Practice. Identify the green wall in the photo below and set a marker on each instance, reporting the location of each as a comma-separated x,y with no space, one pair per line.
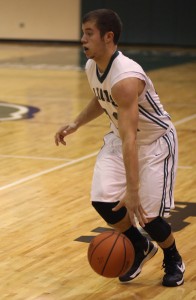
152,22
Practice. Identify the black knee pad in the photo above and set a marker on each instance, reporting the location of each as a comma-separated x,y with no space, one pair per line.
158,229
105,211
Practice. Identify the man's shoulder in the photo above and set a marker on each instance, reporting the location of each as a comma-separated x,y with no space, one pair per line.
89,64
126,64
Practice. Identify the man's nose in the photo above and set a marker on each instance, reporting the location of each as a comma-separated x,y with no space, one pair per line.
83,39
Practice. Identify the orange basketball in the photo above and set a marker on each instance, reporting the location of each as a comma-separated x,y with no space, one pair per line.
111,254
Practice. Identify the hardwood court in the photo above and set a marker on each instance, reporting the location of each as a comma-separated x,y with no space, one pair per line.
46,219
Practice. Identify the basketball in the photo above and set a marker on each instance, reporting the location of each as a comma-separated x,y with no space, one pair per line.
111,254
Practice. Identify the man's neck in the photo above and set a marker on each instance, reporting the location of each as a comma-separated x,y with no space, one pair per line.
103,62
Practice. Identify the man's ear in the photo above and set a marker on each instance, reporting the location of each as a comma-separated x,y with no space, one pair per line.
109,37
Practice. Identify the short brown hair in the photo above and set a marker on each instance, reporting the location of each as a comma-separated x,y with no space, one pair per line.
106,20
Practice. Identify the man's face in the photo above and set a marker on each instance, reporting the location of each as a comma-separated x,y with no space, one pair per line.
93,44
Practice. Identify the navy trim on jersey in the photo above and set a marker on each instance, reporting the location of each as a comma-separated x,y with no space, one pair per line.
153,104
173,164
148,115
101,78
171,156
163,208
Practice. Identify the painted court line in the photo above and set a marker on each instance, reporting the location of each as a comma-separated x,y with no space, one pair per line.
185,120
25,179
185,167
48,171
35,157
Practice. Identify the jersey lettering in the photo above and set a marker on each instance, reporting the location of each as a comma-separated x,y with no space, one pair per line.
104,96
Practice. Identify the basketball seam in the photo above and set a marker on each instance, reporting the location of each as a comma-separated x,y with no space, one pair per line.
112,232
110,253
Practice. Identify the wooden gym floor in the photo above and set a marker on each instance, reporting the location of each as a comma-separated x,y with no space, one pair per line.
46,219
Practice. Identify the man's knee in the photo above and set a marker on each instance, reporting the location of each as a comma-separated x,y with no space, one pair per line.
118,220
158,229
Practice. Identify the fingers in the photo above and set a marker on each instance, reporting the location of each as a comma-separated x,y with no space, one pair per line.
118,206
130,212
64,131
132,218
140,214
60,135
59,139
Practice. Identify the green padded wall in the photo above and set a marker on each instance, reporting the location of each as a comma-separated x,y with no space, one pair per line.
152,22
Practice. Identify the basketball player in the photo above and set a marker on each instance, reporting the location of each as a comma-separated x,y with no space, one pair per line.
135,170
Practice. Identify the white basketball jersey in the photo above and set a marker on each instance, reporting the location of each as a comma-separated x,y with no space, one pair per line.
153,120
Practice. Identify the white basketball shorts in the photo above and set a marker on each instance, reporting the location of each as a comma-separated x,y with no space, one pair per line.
157,172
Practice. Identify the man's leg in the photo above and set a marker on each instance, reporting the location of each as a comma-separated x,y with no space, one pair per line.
120,221
108,187
160,231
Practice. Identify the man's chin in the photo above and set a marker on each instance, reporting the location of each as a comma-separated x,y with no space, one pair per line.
89,56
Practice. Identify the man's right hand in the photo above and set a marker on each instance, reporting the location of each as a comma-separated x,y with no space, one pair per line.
64,131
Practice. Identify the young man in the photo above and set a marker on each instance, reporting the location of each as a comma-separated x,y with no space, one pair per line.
135,170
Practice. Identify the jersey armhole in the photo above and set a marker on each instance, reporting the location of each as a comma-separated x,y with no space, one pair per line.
127,75
131,74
